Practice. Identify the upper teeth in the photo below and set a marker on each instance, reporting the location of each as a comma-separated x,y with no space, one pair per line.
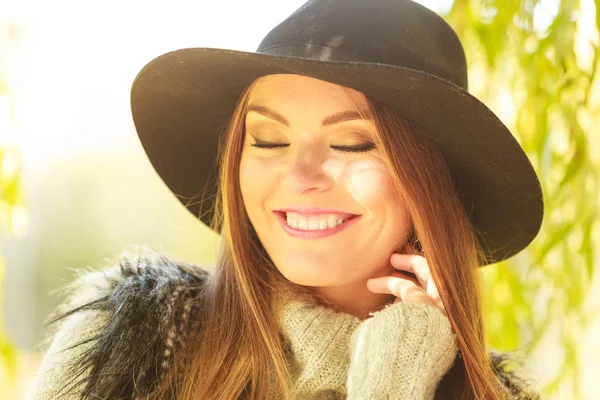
313,223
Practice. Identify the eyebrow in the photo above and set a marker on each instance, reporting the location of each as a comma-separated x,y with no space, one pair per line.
330,120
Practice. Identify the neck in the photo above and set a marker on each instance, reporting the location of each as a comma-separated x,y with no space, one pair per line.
355,299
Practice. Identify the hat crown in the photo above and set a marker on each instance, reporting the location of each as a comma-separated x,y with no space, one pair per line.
395,32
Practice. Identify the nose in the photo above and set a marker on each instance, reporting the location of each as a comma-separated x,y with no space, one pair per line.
305,172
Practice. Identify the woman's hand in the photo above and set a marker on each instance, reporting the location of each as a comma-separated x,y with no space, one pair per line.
406,288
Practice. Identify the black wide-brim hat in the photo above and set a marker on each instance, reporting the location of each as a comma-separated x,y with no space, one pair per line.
395,51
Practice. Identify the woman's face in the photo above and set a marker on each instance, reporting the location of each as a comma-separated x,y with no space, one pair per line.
325,169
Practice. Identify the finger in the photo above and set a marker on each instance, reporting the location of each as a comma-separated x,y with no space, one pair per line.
432,290
412,263
417,265
406,275
404,289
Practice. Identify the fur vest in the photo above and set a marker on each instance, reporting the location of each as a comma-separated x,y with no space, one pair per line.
141,306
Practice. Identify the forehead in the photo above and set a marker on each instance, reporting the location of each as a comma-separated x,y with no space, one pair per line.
297,89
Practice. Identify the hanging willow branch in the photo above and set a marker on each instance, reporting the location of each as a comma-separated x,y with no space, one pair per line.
537,69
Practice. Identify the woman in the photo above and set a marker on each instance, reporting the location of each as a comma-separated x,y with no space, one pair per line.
359,187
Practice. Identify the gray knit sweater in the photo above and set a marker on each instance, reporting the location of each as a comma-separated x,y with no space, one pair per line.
115,333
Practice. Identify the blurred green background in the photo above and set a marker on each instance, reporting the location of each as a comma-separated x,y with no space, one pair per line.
76,187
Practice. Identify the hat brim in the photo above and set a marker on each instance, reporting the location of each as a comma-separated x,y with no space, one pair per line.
182,101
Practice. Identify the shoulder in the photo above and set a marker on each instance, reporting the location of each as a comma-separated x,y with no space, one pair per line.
118,326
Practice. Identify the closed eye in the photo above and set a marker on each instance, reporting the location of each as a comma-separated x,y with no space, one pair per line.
348,149
265,145
355,149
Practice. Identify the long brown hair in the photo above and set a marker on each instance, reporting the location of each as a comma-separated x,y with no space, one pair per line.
235,350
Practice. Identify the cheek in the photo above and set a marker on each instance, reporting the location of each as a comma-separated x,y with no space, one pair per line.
245,174
253,170
369,183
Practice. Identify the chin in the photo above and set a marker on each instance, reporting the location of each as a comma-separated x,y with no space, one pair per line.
311,277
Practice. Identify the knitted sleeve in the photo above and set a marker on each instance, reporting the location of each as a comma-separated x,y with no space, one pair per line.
401,352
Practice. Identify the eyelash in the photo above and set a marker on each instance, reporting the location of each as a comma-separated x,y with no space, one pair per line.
347,149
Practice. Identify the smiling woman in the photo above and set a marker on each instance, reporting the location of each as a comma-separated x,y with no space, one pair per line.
317,161
395,199
356,200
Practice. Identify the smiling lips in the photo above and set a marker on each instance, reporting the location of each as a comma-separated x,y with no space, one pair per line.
313,223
